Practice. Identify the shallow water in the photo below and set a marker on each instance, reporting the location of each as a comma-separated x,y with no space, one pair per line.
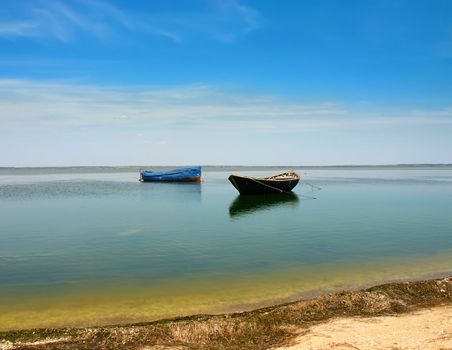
94,246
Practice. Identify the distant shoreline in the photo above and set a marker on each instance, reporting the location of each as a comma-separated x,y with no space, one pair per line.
263,328
255,167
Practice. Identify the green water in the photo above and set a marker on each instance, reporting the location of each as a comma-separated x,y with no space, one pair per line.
94,246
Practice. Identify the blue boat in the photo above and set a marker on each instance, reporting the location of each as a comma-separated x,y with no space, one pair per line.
192,174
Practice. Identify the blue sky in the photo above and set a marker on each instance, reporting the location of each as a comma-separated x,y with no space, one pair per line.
97,82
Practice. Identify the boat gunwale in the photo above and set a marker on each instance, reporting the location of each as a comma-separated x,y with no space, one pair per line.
269,178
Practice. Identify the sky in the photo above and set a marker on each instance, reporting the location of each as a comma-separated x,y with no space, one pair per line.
225,82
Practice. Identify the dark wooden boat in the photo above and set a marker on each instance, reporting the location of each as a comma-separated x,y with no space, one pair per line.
280,183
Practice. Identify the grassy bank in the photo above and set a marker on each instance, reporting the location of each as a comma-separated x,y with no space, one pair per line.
258,329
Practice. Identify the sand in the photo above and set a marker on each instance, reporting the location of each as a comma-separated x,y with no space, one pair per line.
424,329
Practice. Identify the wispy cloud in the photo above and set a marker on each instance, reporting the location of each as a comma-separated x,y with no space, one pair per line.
65,21
18,28
59,20
249,15
35,104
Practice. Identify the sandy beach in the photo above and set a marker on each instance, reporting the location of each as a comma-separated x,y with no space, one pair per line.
424,329
399,315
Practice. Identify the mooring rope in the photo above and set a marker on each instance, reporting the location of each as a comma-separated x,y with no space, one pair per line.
307,197
274,188
313,187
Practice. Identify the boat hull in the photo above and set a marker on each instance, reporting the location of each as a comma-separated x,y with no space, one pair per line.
249,185
177,175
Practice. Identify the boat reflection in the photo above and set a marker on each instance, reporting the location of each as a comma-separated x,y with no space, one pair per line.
171,191
249,204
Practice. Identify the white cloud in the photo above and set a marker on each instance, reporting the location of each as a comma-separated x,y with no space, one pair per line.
246,14
26,104
18,28
64,21
83,105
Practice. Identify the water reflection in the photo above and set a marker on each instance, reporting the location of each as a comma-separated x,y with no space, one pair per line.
249,204
168,192
173,186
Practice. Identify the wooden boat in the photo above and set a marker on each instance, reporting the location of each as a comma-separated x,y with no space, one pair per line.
280,183
192,174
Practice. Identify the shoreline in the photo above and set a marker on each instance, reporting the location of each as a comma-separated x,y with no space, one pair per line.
317,293
263,328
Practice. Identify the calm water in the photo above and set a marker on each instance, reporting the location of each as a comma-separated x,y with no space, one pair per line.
95,246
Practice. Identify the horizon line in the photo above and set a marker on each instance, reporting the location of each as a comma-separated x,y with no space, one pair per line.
231,166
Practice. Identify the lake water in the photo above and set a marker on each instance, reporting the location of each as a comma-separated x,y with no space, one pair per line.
91,246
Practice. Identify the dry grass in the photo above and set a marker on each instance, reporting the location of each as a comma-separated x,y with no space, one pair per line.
258,329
